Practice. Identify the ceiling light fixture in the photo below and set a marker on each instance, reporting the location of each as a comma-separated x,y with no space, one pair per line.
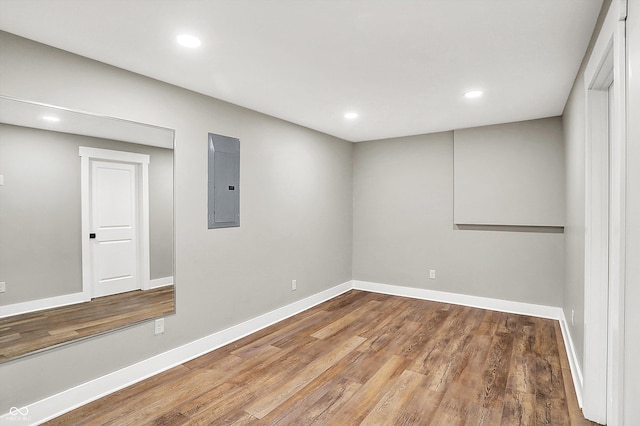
351,115
473,94
50,118
189,41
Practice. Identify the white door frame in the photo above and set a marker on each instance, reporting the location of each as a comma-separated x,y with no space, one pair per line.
605,172
87,154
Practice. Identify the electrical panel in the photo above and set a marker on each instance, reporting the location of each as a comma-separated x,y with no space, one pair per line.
224,182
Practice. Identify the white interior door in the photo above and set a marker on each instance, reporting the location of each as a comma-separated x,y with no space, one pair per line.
114,227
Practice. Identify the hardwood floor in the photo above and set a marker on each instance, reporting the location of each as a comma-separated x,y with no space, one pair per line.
26,333
364,358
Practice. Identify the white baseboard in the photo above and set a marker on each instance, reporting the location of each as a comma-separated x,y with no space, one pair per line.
541,311
64,300
576,371
41,304
160,282
70,399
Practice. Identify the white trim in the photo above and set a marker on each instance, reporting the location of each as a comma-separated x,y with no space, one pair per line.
85,209
41,304
87,154
605,245
161,282
541,311
574,365
110,154
58,404
596,274
144,248
617,251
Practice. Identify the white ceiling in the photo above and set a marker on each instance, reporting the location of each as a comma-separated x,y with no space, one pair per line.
30,114
403,65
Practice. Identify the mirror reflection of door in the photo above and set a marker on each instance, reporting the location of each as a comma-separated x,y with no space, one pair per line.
41,261
114,237
115,221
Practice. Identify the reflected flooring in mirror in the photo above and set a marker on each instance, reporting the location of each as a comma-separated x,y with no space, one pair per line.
31,332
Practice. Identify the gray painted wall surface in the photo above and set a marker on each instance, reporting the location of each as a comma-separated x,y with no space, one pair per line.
40,252
403,226
573,290
40,235
296,206
510,174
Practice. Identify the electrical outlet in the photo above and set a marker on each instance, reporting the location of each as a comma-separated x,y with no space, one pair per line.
573,316
159,326
294,285
3,287
432,274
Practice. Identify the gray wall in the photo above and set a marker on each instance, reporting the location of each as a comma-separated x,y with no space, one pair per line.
510,174
296,212
39,215
40,241
574,123
403,226
573,289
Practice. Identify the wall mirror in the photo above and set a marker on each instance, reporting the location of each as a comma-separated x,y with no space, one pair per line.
86,225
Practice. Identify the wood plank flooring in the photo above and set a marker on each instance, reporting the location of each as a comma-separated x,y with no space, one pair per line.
364,358
31,332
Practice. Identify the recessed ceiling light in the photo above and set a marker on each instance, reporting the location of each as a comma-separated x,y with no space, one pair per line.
473,94
187,40
351,115
50,118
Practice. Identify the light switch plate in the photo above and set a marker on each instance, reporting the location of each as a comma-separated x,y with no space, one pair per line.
1,180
